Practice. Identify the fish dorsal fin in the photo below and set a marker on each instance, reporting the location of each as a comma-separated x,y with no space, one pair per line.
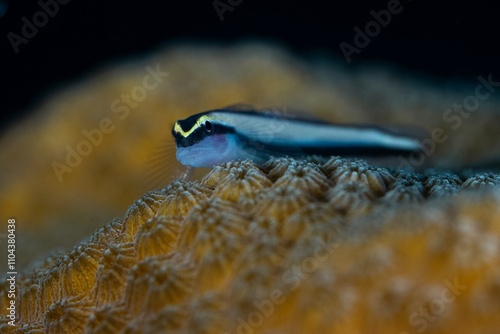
238,107
405,130
276,111
291,114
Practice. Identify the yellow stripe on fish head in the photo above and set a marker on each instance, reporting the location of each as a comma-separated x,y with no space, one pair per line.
198,124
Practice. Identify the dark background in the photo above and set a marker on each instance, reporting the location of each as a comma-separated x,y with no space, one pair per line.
449,40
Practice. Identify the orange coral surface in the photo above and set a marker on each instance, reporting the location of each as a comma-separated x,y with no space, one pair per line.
294,246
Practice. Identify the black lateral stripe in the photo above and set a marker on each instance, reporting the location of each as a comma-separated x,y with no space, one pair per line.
322,150
355,151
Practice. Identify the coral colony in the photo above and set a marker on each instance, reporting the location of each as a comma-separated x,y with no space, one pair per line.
294,246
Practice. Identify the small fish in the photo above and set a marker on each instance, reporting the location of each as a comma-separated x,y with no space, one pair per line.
218,136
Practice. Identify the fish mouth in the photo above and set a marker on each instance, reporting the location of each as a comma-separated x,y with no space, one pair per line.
188,155
206,153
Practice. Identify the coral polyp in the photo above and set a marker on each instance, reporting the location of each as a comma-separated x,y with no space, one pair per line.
108,319
279,203
277,167
482,180
291,246
220,173
180,197
157,236
341,171
241,182
209,220
442,184
68,315
141,210
320,220
111,275
308,179
351,197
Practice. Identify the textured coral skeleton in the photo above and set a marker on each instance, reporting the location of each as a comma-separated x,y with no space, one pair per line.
294,246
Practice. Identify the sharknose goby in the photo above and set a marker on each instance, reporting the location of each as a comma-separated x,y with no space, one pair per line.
218,136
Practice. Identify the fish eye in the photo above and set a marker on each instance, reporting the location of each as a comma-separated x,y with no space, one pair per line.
208,126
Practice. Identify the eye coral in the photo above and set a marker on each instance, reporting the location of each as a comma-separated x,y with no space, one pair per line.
310,253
